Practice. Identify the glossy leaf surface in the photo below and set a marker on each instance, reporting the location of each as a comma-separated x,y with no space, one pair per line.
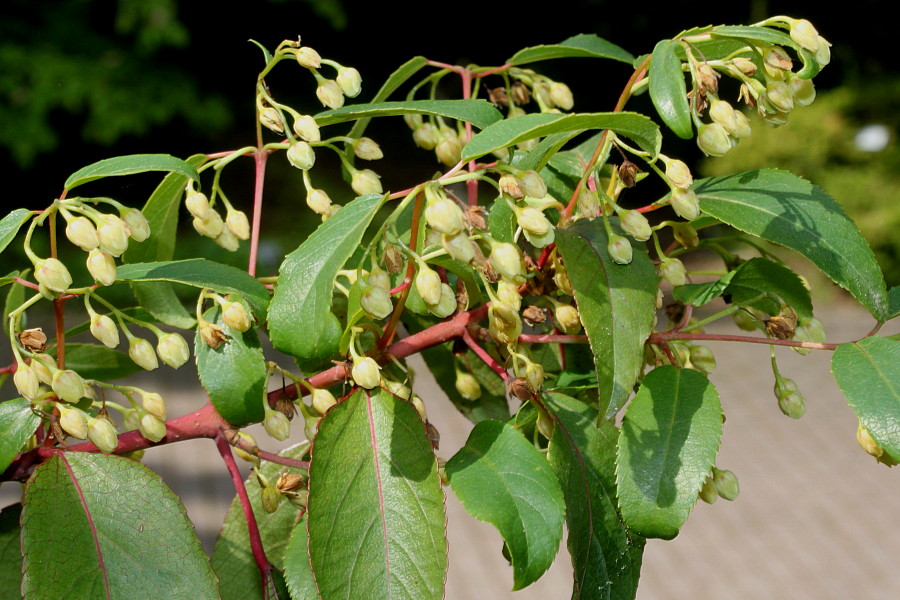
130,165
17,423
667,89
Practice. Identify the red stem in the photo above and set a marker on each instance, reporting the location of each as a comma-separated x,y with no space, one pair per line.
483,355
410,271
260,159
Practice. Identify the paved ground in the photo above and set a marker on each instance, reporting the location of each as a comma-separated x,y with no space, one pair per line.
816,519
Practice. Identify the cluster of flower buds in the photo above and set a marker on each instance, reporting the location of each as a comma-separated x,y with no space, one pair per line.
208,222
720,483
447,142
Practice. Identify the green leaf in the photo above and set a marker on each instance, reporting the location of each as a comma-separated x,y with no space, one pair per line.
509,132
17,424
201,273
545,151
761,34
15,297
161,211
479,113
376,508
893,302
10,556
129,165
102,526
232,559
868,372
667,447
300,319
606,557
501,478
502,222
234,374
10,225
297,571
94,361
396,79
579,46
667,89
785,209
267,56
616,303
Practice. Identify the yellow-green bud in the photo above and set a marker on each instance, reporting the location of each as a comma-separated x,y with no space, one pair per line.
673,271
376,301
505,325
227,240
867,442
52,274
366,372
428,284
779,94
533,221
41,368
685,203
803,91
152,428
635,224
141,352
243,454
270,498
418,405
790,401
588,203
82,233
459,246
776,61
685,235
138,226
508,293
803,32
104,329
154,404
235,316
237,223
27,381
540,240
532,184
379,278
198,205
823,54
319,201
426,136
679,174
446,306
713,139
367,149
561,95
102,434
743,126
113,235
350,81
271,119
68,385
277,425
506,259
311,428
329,94
445,216
619,249
744,65
101,266
567,318
467,386
301,155
449,149
173,350
545,424
73,422
309,58
726,484
211,226
703,359
322,400
708,492
307,129
366,181
534,377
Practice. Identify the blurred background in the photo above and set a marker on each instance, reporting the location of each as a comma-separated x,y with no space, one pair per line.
83,80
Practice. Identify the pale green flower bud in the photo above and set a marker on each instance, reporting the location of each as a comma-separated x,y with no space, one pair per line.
41,368
426,136
508,293
567,319
277,425
823,54
722,113
540,241
319,201
446,305
790,401
449,149
703,359
227,240
366,372
713,139
619,249
803,32
243,454
745,321
467,386
379,278
173,350
307,129
506,259
445,216
396,388
101,266
270,497
104,329
198,205
154,404
459,246
367,149
533,221
679,174
419,406
113,235
271,119
366,181
311,428
27,381
301,155
743,126
138,226
237,223
744,65
532,184
141,352
588,203
235,316
776,61
534,377
428,284
545,424
376,302
350,81
68,385
561,95
102,434
779,94
673,271
726,484
803,91
211,226
52,274
708,492
505,325
309,58
73,422
329,94
686,204
635,224
152,428
82,233
322,400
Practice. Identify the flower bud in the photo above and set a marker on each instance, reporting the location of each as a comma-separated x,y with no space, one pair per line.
746,321
270,118
779,94
823,54
367,149
803,32
803,91
685,203
743,126
545,424
154,404
138,226
350,81
713,139
459,246
311,428
506,259
211,226
319,201
542,240
723,113
52,274
867,442
512,187
679,174
428,284
309,58
301,155
173,350
561,95
237,223
379,278
534,377
673,271
445,216
366,372
227,240
567,319
703,359
708,79
270,498
73,422
419,406
619,249
101,266
635,224
235,316
777,59
212,335
329,94
532,184
426,136
744,65
685,235
113,235
152,428
505,326
467,386
533,221
366,181
508,293
102,434
41,368
198,205
68,385
322,400
104,329
82,233
792,404
141,352
376,302
708,492
726,484
449,149
27,381
307,129
446,305
277,425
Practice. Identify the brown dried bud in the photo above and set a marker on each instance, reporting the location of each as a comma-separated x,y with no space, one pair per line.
285,406
393,259
498,96
534,315
475,217
708,79
781,326
519,388
627,172
434,436
213,335
520,93
33,340
289,482
489,273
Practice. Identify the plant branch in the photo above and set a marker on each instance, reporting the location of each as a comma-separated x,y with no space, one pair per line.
259,158
663,337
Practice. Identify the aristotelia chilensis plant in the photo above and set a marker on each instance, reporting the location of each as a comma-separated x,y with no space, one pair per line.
531,273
